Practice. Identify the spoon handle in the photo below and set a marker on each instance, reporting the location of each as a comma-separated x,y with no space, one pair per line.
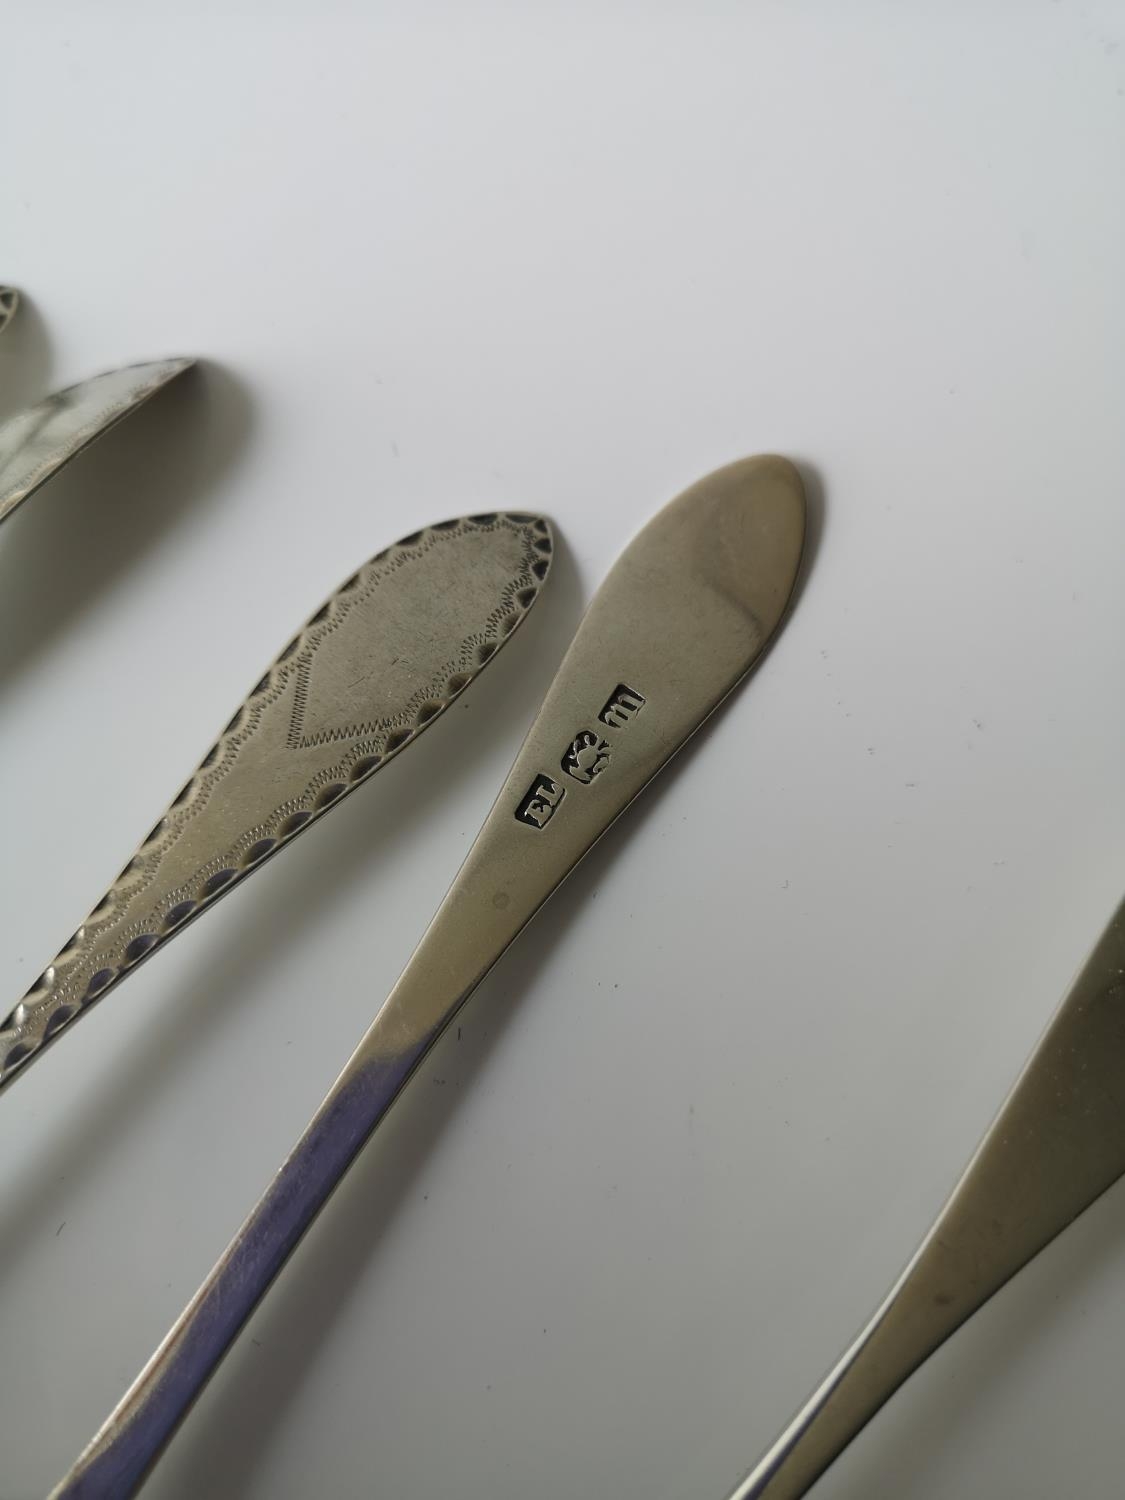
1056,1145
376,664
40,440
684,613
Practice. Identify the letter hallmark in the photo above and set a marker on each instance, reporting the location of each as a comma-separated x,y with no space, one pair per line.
538,806
623,704
587,757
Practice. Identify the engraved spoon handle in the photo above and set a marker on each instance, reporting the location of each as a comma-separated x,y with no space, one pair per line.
1057,1144
376,664
684,613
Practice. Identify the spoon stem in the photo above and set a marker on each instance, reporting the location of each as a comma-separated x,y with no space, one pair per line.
1057,1144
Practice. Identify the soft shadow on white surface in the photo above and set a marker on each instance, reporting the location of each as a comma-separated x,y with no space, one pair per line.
25,358
90,525
816,522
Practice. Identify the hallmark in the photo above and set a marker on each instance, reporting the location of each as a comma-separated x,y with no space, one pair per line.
623,704
587,757
538,806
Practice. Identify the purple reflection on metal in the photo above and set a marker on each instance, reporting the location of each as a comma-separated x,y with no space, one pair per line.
119,1457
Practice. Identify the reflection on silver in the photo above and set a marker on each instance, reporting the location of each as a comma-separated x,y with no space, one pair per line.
37,442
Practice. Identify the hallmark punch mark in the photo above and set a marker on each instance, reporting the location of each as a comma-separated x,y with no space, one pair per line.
538,806
587,757
583,760
623,704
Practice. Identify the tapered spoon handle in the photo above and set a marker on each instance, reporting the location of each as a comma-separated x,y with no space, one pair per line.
381,659
682,616
1056,1145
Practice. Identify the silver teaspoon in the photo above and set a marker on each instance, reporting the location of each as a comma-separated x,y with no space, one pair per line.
684,613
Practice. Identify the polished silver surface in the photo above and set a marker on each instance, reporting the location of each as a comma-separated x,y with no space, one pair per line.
9,303
1057,1144
684,613
37,442
381,659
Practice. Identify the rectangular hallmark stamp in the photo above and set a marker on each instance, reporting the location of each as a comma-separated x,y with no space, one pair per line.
538,806
623,704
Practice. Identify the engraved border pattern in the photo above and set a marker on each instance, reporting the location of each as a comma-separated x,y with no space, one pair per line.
83,971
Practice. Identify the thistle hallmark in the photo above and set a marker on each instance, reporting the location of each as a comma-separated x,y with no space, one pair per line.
587,757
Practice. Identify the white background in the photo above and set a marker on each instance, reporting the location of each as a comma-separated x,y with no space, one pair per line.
449,258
